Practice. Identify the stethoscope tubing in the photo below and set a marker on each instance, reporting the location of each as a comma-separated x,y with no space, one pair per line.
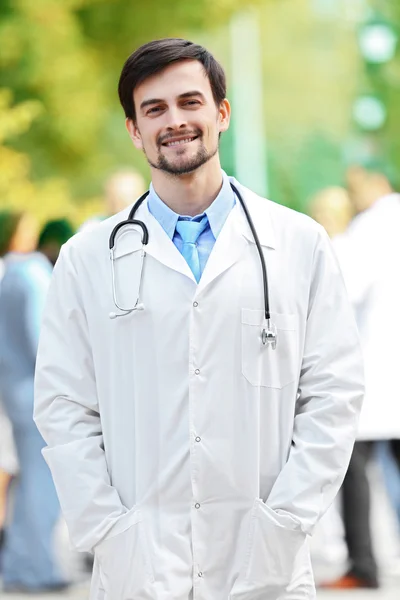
131,221
260,252
145,238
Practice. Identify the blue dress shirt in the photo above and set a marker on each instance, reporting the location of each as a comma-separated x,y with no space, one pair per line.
217,214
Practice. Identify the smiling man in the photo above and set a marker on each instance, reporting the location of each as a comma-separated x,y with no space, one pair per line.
196,437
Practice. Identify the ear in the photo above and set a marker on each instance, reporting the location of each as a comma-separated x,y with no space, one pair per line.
224,115
134,133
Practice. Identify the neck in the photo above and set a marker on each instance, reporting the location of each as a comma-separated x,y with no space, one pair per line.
189,194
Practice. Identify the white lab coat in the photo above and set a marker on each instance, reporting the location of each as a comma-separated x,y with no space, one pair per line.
369,254
192,460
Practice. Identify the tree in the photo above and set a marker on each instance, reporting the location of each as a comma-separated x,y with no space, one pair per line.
65,56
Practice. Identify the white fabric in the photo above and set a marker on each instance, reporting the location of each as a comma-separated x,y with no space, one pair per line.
193,460
369,254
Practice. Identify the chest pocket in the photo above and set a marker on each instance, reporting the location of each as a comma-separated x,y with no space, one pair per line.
261,365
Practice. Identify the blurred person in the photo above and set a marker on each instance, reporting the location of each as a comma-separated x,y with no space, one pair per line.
332,208
355,182
21,229
18,233
193,445
28,557
369,254
366,187
120,189
53,235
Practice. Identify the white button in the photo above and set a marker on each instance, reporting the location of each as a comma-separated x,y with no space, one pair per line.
197,371
195,304
200,574
198,439
197,505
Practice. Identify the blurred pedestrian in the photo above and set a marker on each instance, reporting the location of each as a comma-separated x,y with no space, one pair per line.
120,189
194,438
333,209
366,187
369,253
53,235
28,557
18,234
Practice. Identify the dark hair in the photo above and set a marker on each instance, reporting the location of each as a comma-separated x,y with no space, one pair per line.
9,221
154,57
59,230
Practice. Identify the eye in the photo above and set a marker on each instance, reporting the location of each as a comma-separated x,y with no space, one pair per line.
153,110
191,103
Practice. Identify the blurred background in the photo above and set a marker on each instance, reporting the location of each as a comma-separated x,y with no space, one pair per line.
322,79
315,91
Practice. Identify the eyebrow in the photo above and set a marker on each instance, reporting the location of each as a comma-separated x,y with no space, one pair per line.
151,101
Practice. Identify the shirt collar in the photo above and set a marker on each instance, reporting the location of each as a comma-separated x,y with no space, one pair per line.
217,212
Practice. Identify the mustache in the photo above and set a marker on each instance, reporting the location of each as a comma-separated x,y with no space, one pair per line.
162,139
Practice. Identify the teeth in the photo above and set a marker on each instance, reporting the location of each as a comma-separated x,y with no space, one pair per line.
180,142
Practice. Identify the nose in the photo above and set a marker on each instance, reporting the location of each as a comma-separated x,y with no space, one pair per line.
176,119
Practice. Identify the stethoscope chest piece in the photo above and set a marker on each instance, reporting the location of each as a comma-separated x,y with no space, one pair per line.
269,334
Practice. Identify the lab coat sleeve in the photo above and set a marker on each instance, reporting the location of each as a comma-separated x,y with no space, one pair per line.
330,395
67,414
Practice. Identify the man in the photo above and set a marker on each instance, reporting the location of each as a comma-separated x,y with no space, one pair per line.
29,562
369,252
190,457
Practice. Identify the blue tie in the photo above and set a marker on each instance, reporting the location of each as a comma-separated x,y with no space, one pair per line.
189,232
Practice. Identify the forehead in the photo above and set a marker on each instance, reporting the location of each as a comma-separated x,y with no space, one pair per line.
176,79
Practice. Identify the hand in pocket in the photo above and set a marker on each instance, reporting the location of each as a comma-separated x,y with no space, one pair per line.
124,562
274,543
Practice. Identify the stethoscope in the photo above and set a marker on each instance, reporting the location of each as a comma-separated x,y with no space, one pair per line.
269,331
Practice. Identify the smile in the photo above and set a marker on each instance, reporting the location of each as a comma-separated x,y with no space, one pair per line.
179,142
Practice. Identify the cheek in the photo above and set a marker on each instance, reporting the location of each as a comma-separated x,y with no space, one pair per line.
147,141
145,134
212,132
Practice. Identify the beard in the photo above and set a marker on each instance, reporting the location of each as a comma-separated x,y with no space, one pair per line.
186,165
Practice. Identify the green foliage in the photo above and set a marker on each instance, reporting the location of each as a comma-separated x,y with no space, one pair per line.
61,126
60,61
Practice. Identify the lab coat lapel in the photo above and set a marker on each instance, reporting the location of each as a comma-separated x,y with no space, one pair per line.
236,235
160,246
228,248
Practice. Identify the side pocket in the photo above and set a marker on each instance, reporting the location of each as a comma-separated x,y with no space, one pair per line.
124,560
146,551
96,585
274,546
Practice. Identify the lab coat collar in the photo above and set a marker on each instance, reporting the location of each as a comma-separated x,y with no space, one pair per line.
160,246
260,213
229,246
217,212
